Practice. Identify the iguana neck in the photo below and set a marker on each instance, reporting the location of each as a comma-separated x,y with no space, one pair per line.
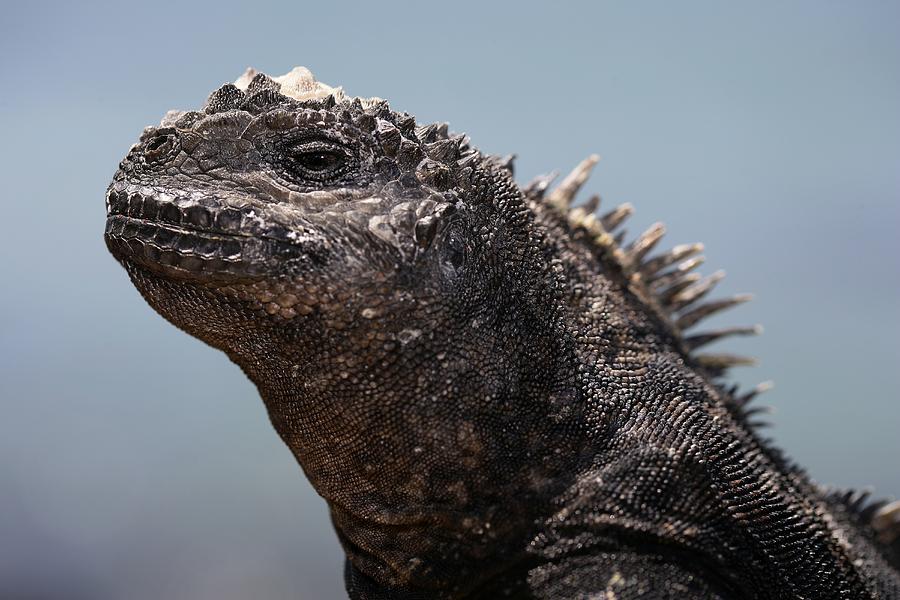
457,501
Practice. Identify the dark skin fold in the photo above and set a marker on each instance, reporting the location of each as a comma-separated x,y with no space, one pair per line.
495,394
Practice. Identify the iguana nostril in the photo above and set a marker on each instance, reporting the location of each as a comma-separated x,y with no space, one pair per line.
159,147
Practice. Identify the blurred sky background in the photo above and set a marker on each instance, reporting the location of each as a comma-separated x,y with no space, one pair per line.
137,463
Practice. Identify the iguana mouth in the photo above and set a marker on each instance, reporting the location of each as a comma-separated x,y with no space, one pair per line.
181,239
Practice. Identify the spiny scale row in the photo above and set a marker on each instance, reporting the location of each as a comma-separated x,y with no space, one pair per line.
882,515
666,279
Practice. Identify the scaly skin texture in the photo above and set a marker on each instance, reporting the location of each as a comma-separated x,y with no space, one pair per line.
495,395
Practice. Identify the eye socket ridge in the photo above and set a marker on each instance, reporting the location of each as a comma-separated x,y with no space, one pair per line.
319,160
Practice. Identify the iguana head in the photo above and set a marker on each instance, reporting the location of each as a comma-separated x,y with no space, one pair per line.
382,283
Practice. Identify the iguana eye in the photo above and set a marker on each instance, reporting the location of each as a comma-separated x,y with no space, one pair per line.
320,161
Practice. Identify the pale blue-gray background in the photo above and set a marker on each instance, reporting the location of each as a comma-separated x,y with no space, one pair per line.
137,463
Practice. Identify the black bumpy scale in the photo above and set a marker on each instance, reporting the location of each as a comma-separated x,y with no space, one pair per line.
496,395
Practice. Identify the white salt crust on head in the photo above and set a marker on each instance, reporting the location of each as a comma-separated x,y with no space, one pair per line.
300,84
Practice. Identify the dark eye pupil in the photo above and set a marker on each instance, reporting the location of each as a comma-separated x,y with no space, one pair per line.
319,160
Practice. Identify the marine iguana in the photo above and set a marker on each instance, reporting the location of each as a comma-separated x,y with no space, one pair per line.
495,393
